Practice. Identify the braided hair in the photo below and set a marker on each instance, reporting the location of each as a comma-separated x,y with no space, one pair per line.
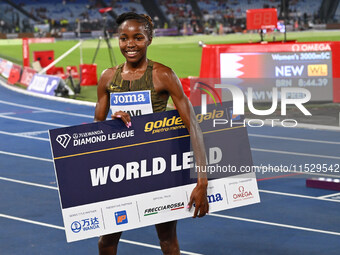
140,18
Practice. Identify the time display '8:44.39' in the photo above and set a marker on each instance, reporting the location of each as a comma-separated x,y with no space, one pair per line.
315,82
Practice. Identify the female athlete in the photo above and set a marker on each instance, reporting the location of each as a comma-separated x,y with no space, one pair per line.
140,73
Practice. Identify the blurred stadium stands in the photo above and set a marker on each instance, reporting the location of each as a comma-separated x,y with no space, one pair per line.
55,17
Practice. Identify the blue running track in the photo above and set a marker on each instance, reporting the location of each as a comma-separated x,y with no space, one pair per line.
291,218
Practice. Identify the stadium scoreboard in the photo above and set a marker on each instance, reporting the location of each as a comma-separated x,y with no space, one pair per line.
312,66
261,18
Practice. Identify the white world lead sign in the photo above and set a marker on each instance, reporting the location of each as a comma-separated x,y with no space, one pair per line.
155,207
112,185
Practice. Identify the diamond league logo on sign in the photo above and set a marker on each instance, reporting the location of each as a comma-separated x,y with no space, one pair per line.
63,140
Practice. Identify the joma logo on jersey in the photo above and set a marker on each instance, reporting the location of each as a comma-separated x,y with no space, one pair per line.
121,217
128,98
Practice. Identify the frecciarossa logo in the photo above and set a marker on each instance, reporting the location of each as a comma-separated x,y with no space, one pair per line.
163,208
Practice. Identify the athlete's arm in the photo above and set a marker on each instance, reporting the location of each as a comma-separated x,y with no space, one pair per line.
103,103
166,80
103,100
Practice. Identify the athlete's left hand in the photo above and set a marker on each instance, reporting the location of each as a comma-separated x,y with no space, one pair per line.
199,197
124,116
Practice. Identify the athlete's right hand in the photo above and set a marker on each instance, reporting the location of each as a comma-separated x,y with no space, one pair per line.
124,116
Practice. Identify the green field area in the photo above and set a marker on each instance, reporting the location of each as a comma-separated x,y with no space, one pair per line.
182,54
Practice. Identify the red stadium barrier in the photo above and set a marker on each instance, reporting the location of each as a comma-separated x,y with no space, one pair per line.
57,71
27,76
25,47
25,52
186,86
88,74
336,71
73,70
45,58
14,75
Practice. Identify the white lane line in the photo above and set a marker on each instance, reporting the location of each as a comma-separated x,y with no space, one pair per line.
50,98
31,221
24,136
276,224
47,110
7,113
39,111
330,195
62,228
33,133
295,153
28,183
297,195
32,121
25,156
92,104
293,139
264,191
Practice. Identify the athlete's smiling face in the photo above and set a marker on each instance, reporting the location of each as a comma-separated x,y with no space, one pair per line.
133,40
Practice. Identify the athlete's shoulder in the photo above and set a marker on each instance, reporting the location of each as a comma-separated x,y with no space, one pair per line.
158,67
164,78
107,75
109,72
162,71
